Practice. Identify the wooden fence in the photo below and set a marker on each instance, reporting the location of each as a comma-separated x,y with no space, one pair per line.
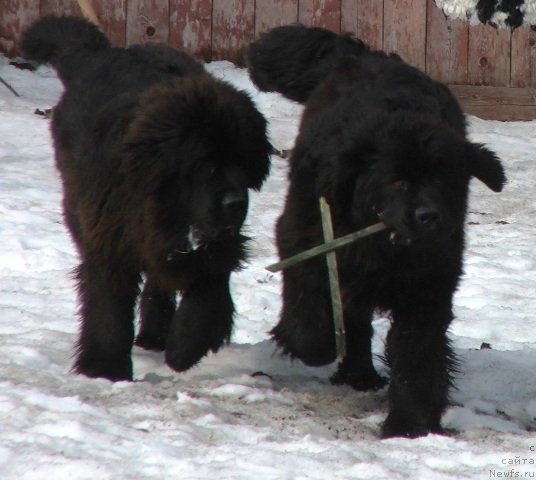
449,50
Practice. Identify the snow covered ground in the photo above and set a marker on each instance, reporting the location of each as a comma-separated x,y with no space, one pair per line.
246,412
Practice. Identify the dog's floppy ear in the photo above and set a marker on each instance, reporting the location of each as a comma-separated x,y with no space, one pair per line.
484,165
246,129
253,146
337,174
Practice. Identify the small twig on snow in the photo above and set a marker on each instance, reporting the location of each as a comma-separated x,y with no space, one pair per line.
9,87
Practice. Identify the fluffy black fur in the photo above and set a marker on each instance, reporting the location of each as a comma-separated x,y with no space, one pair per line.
156,159
381,141
512,8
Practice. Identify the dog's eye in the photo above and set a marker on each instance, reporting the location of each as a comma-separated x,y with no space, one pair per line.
402,185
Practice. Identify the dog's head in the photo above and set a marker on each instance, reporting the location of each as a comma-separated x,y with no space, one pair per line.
414,177
195,146
210,206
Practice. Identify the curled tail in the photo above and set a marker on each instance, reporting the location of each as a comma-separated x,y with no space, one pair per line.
63,42
294,59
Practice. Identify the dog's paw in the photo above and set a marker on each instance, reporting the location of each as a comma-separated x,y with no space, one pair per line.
358,381
114,369
311,350
184,356
151,342
401,426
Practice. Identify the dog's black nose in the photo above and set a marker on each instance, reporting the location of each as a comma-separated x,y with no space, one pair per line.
427,217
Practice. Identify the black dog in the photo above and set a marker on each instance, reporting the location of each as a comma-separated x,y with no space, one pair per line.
381,141
156,158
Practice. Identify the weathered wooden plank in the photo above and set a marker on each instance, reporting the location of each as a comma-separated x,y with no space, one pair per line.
496,103
489,56
447,44
483,95
523,72
349,16
112,18
233,28
405,30
370,27
273,13
60,7
190,27
364,18
16,16
504,113
320,13
147,21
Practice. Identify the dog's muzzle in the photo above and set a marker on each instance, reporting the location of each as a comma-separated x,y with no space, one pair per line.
422,226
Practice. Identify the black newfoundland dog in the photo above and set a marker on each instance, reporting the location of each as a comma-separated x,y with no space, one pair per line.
381,141
156,159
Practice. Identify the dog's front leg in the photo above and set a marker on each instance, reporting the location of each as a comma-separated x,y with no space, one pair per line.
203,322
107,296
157,307
421,362
305,329
357,368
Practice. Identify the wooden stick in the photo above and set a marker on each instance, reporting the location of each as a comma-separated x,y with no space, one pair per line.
88,11
9,87
326,247
333,275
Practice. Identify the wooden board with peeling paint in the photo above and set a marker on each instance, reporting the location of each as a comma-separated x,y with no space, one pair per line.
274,13
233,28
15,17
112,19
489,56
452,51
523,73
320,13
190,27
447,43
60,7
147,22
404,30
370,22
